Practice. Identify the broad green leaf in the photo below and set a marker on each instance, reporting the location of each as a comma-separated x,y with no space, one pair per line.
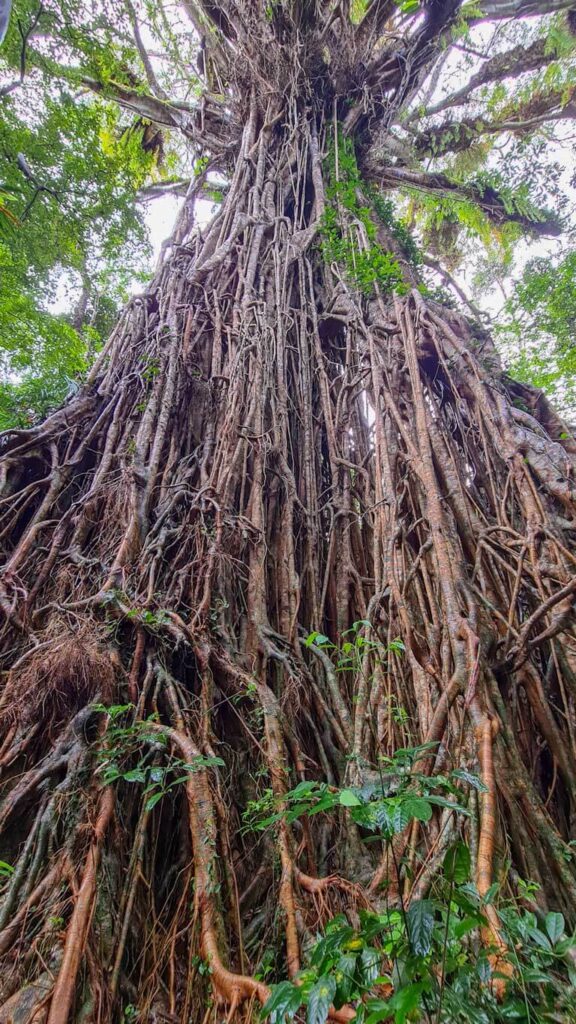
409,6
441,801
397,646
539,938
468,924
515,1010
377,1010
318,639
400,816
326,803
417,807
302,789
349,799
285,999
420,920
370,960
470,779
344,973
320,999
554,923
405,1000
457,863
153,800
136,775
201,762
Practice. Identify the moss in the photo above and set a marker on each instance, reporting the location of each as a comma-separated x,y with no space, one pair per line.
364,267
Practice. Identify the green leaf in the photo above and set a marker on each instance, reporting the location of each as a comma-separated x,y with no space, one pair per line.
178,781
535,976
420,920
515,1010
491,894
417,807
285,999
554,924
457,863
397,646
302,789
201,762
400,817
405,1000
136,775
349,799
153,800
326,803
539,938
409,6
318,639
320,999
468,924
370,960
441,801
377,1010
6,869
333,940
470,778
344,972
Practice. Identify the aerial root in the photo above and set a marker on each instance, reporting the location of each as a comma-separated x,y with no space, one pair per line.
77,930
486,730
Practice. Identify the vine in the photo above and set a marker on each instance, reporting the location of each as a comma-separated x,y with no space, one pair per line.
351,242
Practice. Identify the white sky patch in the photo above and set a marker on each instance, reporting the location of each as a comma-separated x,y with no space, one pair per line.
160,216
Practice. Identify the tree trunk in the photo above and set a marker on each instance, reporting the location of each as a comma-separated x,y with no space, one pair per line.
270,445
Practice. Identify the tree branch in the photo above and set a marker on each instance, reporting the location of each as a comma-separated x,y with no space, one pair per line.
155,109
485,197
163,188
6,89
371,27
146,62
452,283
498,10
510,64
207,190
215,13
455,136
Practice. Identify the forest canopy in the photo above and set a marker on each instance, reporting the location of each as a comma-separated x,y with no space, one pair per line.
94,97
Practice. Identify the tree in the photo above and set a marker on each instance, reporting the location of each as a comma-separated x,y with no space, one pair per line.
285,438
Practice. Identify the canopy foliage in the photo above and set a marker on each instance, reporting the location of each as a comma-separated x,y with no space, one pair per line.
99,98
